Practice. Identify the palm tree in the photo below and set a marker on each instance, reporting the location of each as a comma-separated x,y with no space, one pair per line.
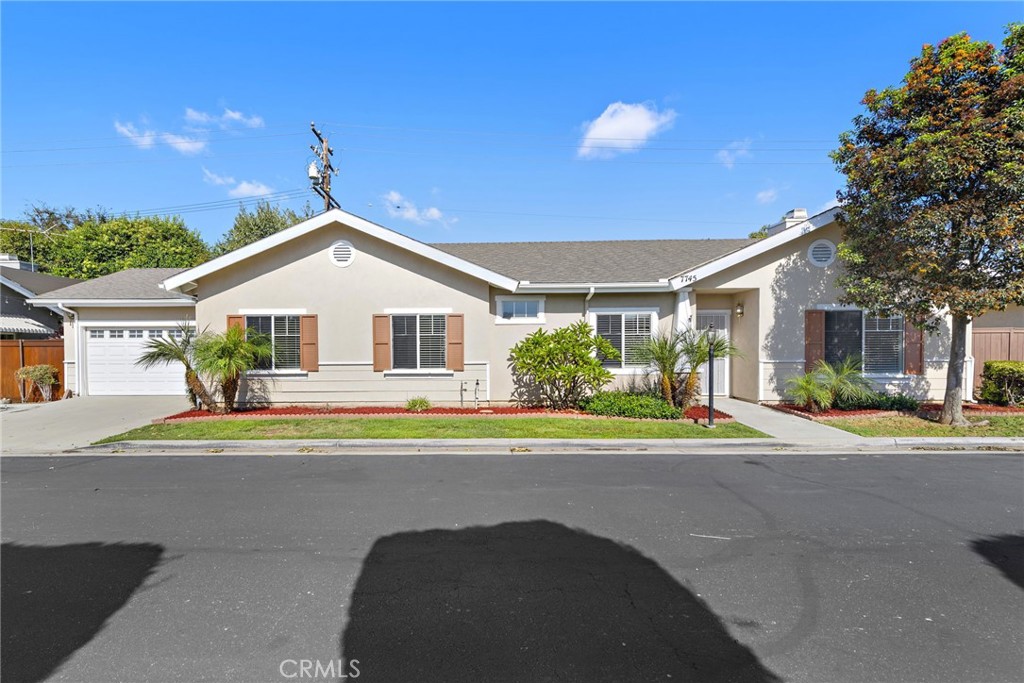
664,353
226,355
844,381
808,390
160,351
696,346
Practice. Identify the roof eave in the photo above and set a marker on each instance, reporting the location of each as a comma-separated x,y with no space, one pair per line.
602,287
112,303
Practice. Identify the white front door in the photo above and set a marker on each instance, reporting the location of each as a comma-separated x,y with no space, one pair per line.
720,319
110,367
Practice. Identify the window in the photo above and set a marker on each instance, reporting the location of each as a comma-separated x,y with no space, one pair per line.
513,310
626,332
418,341
116,334
283,331
135,334
877,341
95,334
154,334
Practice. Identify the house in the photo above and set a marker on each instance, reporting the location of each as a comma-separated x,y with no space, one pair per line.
19,282
359,313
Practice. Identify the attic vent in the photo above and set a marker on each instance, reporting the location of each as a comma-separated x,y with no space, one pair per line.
822,253
341,253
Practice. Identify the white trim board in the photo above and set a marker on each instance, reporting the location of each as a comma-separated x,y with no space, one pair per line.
351,221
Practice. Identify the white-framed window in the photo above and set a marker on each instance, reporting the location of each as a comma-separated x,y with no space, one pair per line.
519,310
283,331
116,334
626,331
96,334
175,333
878,341
135,334
418,341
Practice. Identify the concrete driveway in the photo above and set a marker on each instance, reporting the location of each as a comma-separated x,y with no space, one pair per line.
58,426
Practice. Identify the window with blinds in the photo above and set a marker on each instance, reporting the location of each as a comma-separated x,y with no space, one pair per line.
627,332
878,342
843,335
283,332
418,341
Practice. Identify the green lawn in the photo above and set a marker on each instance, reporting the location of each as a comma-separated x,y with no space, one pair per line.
916,426
435,428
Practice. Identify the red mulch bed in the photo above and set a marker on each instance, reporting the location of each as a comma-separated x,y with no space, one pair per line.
976,409
695,413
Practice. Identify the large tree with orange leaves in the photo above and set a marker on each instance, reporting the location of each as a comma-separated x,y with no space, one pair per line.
933,208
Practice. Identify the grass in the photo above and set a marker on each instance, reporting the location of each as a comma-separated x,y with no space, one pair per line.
916,426
434,428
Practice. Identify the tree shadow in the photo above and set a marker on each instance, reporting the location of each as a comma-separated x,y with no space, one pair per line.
531,601
1005,553
57,598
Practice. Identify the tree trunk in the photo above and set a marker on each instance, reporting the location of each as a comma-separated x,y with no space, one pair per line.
952,406
197,387
229,387
666,388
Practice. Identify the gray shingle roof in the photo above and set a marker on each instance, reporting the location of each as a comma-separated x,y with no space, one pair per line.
601,261
37,283
133,283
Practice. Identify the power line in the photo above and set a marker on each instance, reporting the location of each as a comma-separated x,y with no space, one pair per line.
227,202
156,139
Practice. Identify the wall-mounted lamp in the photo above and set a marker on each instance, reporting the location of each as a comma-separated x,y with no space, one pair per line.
739,310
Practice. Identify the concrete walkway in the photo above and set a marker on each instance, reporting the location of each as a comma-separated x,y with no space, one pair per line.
783,426
61,425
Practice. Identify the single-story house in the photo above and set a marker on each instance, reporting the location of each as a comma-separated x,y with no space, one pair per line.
20,282
359,313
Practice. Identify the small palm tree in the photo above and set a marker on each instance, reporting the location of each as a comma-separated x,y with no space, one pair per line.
696,347
809,390
664,352
226,355
844,381
160,351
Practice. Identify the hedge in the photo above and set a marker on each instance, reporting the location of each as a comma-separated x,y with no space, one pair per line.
623,404
1002,382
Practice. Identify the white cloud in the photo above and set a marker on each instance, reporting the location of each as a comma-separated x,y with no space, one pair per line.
228,118
830,204
142,140
735,150
183,144
398,206
622,128
767,196
250,188
214,179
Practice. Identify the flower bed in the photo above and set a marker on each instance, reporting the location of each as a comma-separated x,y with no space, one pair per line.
979,409
696,413
926,410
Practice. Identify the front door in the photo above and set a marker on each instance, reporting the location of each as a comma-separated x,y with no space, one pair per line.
720,319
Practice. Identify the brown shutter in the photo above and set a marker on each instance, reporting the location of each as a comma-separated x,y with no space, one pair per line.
381,343
236,321
814,338
309,350
455,357
913,349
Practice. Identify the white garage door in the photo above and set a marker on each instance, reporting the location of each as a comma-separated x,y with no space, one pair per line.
110,364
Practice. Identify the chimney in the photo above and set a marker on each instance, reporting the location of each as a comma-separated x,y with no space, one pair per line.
792,217
12,261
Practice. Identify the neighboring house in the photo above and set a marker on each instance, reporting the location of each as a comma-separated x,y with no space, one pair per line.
18,283
359,313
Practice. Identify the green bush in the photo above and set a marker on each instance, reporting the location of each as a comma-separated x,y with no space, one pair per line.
44,377
809,390
881,401
417,404
623,404
1002,382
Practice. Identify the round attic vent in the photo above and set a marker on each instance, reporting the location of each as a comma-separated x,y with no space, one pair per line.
821,253
341,253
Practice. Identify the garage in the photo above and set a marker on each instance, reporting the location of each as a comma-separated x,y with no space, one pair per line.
111,354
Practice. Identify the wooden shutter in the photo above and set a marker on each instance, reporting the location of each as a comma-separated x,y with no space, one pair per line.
913,349
381,343
309,350
236,321
455,356
814,338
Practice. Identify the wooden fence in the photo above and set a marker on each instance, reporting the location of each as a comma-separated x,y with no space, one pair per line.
996,343
17,353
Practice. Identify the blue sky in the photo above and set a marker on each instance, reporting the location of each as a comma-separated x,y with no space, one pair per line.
454,122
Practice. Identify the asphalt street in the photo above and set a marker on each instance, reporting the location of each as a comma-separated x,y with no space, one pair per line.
595,567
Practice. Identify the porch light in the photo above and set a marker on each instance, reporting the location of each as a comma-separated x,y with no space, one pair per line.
739,310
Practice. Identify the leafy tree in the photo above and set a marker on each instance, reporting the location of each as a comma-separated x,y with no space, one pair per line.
93,249
26,241
181,350
226,355
760,233
696,347
933,208
562,366
664,352
46,217
265,221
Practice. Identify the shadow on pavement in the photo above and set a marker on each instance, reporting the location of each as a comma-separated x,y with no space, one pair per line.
55,599
1005,553
531,601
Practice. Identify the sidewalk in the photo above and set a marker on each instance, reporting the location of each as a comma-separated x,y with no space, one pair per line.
783,426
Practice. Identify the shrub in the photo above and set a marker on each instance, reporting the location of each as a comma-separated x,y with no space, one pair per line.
809,390
1002,382
42,376
623,404
880,401
417,404
844,380
561,367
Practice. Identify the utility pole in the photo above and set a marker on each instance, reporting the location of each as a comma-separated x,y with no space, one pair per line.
320,176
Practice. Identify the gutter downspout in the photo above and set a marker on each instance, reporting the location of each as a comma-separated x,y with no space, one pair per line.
586,302
78,347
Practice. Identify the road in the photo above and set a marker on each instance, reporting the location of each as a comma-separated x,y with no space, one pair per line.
595,567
